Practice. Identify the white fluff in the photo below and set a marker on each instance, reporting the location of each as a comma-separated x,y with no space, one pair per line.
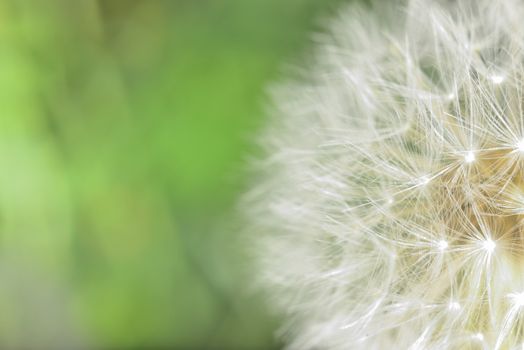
390,210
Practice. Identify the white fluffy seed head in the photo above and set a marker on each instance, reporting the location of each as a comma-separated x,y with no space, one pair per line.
390,210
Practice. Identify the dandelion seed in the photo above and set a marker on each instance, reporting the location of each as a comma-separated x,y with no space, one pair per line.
479,336
517,299
454,306
442,245
469,157
423,181
497,79
488,245
520,146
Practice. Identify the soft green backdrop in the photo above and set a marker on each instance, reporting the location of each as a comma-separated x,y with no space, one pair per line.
125,126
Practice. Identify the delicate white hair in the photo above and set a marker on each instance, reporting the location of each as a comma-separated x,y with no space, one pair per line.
389,213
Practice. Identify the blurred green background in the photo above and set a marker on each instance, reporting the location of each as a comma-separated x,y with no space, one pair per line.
125,126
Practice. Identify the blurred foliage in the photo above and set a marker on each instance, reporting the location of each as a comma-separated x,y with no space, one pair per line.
125,125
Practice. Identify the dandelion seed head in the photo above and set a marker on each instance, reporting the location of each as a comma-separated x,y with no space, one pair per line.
388,209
